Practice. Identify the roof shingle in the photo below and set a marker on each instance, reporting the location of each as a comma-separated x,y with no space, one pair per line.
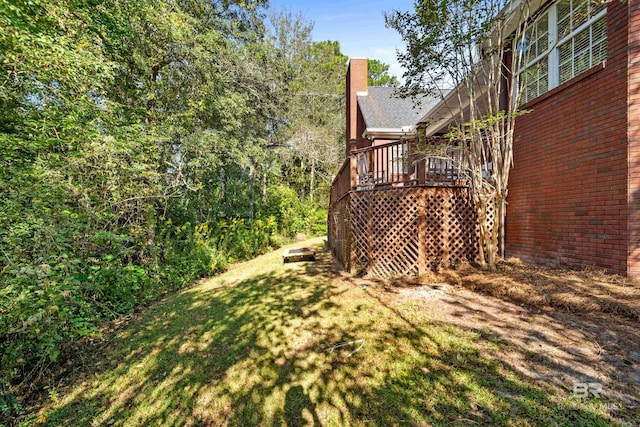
383,108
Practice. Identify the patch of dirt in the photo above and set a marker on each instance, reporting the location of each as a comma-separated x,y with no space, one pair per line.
576,291
557,327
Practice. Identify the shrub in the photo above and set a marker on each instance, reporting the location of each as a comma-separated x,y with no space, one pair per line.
294,215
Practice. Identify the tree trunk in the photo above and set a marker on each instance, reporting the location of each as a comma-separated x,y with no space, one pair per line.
312,179
487,234
252,180
495,232
151,101
302,171
503,215
264,187
223,188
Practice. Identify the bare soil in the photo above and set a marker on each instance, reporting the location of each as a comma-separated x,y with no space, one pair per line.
559,327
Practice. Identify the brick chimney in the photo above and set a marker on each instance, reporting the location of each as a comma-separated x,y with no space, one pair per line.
357,78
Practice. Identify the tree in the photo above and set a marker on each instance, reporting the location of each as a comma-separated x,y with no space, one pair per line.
314,114
464,45
147,143
379,74
116,120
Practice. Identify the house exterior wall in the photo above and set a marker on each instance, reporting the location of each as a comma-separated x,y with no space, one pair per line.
633,117
567,203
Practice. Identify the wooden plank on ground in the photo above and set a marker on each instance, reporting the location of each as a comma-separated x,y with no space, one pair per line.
299,254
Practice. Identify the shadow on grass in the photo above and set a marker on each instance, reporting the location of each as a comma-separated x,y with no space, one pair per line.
550,347
260,345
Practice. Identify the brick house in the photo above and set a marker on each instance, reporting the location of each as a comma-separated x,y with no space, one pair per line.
380,117
393,211
574,193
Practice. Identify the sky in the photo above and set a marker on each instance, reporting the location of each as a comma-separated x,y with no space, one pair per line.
357,24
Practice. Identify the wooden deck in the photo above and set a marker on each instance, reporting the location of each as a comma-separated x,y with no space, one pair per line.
432,162
388,224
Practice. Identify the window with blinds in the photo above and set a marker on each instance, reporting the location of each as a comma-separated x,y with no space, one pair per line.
567,39
535,80
535,76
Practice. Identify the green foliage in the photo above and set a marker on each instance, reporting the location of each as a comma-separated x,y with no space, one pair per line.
144,147
241,240
442,39
294,215
311,146
9,405
379,75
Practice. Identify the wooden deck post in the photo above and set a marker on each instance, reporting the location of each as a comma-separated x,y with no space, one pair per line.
353,172
421,171
422,232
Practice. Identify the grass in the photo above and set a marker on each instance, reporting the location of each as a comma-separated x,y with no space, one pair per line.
258,345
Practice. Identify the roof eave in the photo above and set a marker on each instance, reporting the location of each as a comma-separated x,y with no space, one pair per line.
515,9
451,106
390,133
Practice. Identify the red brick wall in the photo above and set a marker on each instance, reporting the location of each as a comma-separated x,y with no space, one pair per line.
568,189
634,137
356,82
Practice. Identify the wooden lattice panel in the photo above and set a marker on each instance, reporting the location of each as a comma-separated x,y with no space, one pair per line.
463,229
404,230
360,235
332,229
339,231
393,222
451,236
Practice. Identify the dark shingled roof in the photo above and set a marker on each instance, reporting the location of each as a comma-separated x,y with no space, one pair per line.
383,108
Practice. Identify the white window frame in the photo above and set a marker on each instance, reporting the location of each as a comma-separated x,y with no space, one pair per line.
554,45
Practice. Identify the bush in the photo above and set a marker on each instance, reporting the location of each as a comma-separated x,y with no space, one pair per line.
294,215
241,240
50,300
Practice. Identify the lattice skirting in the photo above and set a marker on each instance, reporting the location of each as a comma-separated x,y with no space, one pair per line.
339,233
404,231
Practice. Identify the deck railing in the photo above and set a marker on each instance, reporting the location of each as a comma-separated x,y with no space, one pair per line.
399,164
342,183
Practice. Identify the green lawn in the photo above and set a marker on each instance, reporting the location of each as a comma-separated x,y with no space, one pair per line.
253,347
